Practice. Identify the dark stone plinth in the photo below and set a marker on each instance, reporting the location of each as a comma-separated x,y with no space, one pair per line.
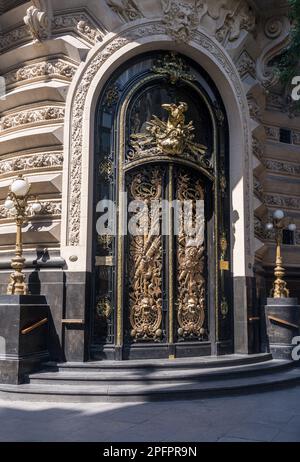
283,324
282,301
22,353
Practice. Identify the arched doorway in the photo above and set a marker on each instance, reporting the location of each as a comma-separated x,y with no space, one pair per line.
160,290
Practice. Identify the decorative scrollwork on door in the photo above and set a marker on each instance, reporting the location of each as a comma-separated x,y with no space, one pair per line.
191,295
145,257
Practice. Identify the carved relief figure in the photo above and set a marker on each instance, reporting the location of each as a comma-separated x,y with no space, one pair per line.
126,9
182,18
145,262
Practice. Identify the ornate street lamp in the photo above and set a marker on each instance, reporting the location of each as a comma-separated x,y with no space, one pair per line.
18,206
280,222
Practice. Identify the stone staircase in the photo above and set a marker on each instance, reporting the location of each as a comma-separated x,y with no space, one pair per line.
113,381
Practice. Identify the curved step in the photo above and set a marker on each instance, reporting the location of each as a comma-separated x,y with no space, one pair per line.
152,376
184,363
145,392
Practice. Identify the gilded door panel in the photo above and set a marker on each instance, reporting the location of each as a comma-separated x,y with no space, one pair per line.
191,257
145,254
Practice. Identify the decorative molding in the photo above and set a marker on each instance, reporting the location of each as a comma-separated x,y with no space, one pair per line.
296,137
279,38
80,23
14,37
273,27
257,187
272,133
55,68
32,117
127,10
182,19
37,22
245,65
49,208
258,148
260,230
283,103
282,201
282,167
238,18
43,160
254,108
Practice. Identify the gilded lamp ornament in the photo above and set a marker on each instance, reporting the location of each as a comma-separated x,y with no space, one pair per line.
279,223
17,203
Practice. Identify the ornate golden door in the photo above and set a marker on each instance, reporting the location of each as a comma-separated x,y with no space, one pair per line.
160,272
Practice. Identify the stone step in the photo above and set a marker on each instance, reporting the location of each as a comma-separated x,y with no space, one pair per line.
162,364
145,392
152,376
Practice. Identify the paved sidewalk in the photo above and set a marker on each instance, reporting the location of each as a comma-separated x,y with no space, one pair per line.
271,416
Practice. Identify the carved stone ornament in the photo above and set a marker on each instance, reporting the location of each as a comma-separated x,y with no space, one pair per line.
127,10
182,18
52,208
80,23
282,201
283,167
239,17
37,21
173,68
56,68
171,138
43,160
245,65
32,117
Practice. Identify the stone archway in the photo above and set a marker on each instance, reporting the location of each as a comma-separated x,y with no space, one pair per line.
78,166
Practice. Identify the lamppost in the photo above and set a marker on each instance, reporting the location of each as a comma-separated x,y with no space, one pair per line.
17,203
279,223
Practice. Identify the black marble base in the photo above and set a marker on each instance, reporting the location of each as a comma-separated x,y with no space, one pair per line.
22,353
283,324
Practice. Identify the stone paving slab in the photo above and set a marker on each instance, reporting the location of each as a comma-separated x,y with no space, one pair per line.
269,416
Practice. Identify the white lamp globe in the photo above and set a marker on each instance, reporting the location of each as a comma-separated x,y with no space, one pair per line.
269,226
20,187
9,204
36,207
292,227
278,214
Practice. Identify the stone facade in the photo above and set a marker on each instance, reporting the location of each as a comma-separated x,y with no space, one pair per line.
56,56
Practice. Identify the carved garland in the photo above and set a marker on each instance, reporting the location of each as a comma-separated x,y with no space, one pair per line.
44,160
32,117
52,208
155,28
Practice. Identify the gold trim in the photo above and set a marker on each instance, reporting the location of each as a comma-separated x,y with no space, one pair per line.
34,326
104,261
171,262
